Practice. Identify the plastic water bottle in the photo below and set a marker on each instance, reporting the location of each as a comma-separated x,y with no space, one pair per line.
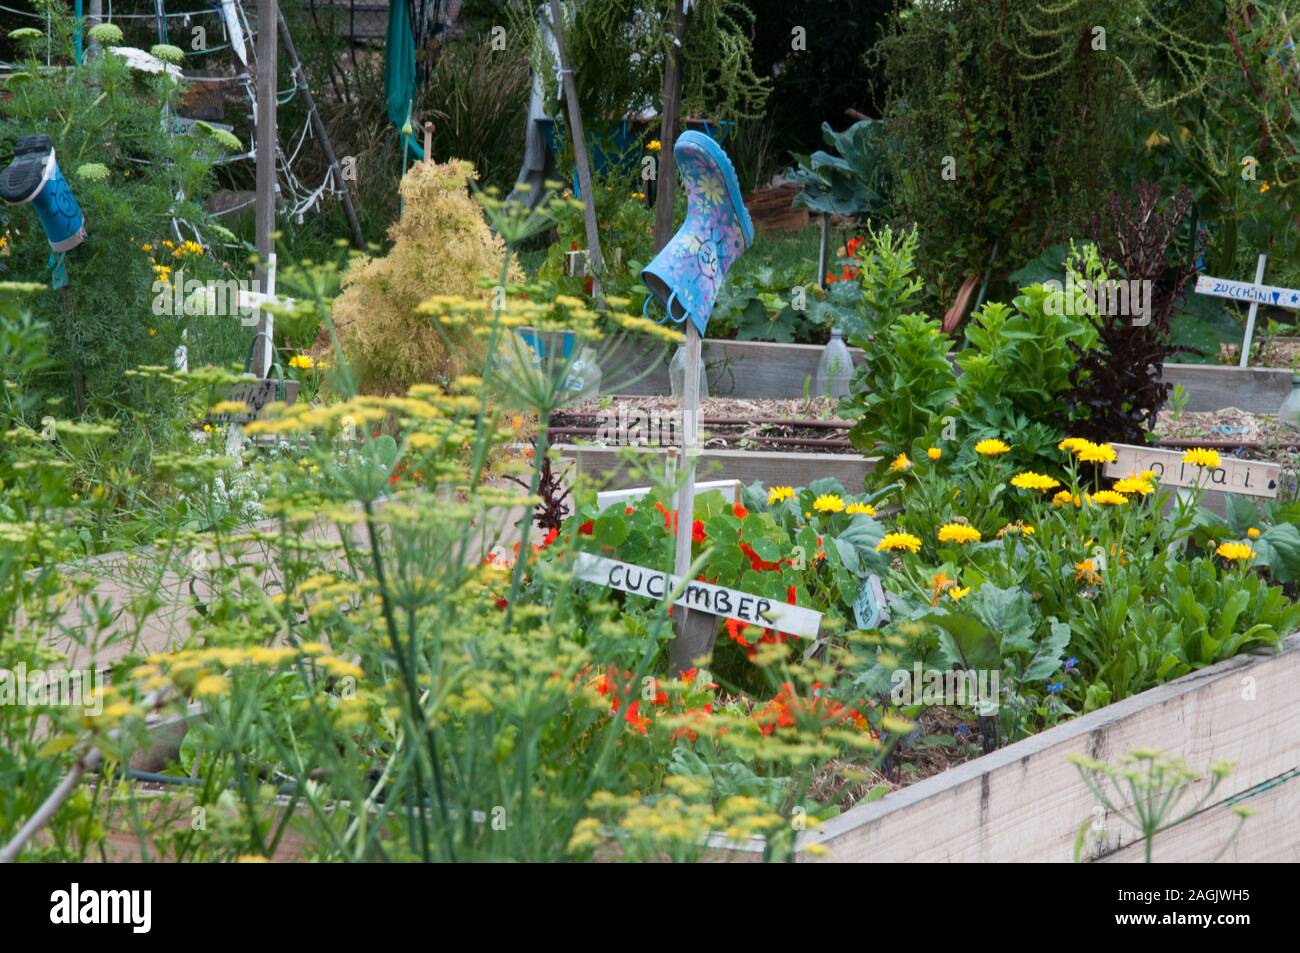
834,369
584,376
677,375
1289,413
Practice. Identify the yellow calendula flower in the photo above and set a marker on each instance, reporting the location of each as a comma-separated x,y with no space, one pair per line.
958,533
778,493
1202,457
939,582
302,362
1133,486
828,503
934,453
1023,529
958,593
1252,533
1235,552
1029,480
654,145
1086,571
1109,498
1065,498
1097,453
854,508
900,463
1072,444
896,541
991,447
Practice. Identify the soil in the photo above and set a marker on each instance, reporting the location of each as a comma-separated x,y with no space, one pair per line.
1265,352
726,422
1266,437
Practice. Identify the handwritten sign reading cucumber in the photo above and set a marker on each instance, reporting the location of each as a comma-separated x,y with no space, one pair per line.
698,596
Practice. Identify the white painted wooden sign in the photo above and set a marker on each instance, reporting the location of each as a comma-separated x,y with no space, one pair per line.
1248,291
1248,477
729,488
1256,292
698,596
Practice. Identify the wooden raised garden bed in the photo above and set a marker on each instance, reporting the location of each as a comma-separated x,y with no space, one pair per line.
1026,802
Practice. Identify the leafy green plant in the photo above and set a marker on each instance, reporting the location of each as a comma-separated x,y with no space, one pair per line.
851,181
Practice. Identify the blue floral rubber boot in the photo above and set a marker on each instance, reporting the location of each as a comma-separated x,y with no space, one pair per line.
34,177
686,274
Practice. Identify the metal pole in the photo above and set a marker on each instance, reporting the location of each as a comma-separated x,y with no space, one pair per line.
1250,316
579,154
318,128
267,15
824,251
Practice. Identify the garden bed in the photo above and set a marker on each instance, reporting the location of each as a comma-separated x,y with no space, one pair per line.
1026,802
758,369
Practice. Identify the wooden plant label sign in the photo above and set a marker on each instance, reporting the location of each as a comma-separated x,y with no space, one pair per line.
1248,291
731,489
698,596
1248,477
255,395
869,608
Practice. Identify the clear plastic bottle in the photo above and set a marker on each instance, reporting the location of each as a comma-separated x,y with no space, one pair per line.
584,376
1289,413
834,368
677,374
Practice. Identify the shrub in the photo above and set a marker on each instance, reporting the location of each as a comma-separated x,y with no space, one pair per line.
441,246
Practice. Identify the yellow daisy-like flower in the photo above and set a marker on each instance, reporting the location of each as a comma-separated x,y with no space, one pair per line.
854,508
896,541
1202,457
1030,480
958,593
1252,533
1234,552
958,533
302,361
991,447
1086,571
1097,453
654,145
900,463
1109,498
939,582
778,493
828,503
1064,498
1072,444
1133,486
934,453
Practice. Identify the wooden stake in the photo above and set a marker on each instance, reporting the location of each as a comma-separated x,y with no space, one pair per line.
595,260
267,53
428,143
695,629
1250,315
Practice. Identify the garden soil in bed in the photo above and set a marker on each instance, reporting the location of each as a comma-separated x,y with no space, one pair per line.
1266,438
731,423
